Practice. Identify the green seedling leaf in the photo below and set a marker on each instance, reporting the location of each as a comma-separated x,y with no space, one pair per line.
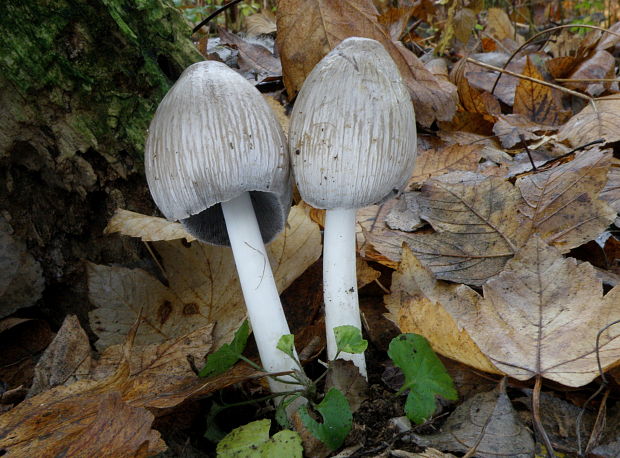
425,375
337,419
227,355
286,344
349,339
253,441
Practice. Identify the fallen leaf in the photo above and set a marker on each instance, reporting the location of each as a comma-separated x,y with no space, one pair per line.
148,228
365,273
405,214
477,231
536,307
499,24
560,67
66,360
486,422
309,29
594,124
253,58
536,101
396,20
513,129
82,419
611,191
21,278
598,66
464,22
562,205
473,100
435,162
203,287
412,311
263,23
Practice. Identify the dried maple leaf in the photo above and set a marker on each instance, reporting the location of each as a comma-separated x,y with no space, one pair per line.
476,224
65,360
148,228
415,305
514,128
598,66
486,422
536,307
536,101
309,29
473,100
594,123
203,286
433,163
562,204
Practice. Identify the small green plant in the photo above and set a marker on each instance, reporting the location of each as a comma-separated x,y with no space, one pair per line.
425,376
253,441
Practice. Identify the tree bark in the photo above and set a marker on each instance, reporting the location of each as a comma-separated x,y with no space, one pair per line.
79,83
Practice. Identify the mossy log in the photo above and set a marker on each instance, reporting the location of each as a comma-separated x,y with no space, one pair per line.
79,83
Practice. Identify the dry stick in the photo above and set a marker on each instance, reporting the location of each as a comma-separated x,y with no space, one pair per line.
527,150
212,15
588,80
536,416
553,29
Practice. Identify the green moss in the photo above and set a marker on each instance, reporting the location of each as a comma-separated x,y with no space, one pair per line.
96,68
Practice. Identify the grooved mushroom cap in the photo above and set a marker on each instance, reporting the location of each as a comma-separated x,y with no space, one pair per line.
212,138
352,136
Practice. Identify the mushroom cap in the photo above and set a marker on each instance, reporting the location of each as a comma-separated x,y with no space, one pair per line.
352,136
212,138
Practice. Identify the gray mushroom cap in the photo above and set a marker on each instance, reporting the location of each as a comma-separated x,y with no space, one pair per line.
352,136
212,138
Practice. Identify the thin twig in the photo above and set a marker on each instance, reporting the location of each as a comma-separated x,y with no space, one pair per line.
587,80
529,78
527,150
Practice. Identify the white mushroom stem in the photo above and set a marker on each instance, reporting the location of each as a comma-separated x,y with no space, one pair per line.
340,280
259,289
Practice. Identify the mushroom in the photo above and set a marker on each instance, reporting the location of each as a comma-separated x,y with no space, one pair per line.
352,141
216,160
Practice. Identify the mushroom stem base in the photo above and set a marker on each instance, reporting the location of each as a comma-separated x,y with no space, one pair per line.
259,289
340,280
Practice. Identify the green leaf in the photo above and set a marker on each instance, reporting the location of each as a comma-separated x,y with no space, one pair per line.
349,339
227,355
337,419
425,375
286,344
252,441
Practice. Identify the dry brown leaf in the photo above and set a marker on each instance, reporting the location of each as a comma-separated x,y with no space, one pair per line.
536,307
71,420
433,163
602,122
148,228
487,423
562,204
513,129
499,24
473,100
365,273
279,110
560,67
412,311
262,23
203,287
598,66
66,360
253,58
309,29
476,224
396,20
536,101
611,191
464,24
